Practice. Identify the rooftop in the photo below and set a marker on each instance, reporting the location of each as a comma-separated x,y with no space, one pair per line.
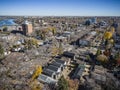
7,22
53,68
46,79
48,72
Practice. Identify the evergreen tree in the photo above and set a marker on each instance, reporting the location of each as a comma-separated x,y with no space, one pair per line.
98,52
62,84
1,50
5,29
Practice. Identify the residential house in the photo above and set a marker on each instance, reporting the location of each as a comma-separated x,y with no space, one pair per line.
69,55
54,68
61,62
79,72
57,64
46,79
83,42
50,73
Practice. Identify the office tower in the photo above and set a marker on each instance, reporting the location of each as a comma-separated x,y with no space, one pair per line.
27,28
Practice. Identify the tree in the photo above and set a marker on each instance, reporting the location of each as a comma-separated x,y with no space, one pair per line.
37,72
49,87
1,50
34,85
107,35
108,41
5,28
102,58
73,84
60,48
111,41
62,84
31,42
112,29
98,52
111,84
117,58
57,49
54,31
43,34
107,53
38,32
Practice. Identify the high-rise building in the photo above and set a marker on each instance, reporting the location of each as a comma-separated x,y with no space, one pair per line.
27,28
118,29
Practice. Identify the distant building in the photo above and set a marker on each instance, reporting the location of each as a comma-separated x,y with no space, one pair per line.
27,28
94,20
102,23
118,29
91,21
9,24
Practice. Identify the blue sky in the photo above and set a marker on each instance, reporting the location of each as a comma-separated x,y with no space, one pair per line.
60,7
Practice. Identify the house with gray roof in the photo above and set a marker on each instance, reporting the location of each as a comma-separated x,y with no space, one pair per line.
69,55
54,68
57,64
79,72
46,79
50,73
61,62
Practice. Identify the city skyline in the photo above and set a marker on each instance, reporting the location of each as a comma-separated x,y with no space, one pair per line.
60,7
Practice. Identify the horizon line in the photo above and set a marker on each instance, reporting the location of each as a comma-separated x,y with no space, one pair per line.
66,15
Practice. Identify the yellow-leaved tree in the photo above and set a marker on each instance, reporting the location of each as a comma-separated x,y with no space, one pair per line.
37,72
107,35
112,29
52,29
102,58
111,41
33,83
